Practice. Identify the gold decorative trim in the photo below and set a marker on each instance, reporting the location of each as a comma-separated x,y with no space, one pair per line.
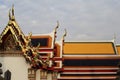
29,52
10,53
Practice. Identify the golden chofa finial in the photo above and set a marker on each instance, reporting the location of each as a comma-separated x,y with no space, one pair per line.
13,17
9,15
55,30
64,35
13,10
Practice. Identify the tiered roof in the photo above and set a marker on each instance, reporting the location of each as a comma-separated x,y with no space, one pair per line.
89,48
42,51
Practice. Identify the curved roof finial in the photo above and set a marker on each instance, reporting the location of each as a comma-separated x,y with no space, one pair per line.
64,35
57,23
13,10
13,17
9,15
56,27
114,37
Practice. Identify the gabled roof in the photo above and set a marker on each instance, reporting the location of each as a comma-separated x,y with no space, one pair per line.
89,48
15,30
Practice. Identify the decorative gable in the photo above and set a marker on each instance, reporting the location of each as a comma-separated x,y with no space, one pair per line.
38,50
9,43
12,40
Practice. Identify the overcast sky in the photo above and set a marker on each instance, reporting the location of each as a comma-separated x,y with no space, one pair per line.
83,19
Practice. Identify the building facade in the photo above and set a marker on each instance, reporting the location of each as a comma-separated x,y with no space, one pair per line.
41,57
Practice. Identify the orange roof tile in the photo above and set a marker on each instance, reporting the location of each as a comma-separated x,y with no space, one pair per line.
88,48
118,49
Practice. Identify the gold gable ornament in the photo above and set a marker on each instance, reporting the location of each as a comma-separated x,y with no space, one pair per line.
11,15
64,35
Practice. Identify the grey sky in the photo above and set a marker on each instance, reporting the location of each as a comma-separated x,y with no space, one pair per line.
83,19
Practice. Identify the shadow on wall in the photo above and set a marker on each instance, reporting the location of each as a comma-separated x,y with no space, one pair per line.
7,74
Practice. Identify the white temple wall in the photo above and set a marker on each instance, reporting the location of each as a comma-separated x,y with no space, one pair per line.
49,76
38,75
16,65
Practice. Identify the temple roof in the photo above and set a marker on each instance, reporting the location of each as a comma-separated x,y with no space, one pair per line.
89,48
12,38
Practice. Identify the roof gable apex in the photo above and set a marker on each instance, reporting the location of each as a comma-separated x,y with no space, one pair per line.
14,29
